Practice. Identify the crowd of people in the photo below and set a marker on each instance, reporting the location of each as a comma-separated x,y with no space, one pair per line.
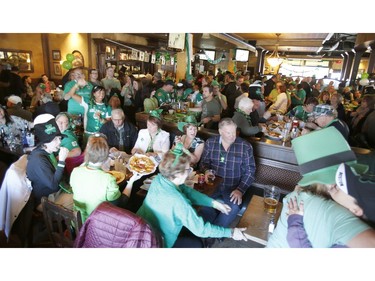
233,104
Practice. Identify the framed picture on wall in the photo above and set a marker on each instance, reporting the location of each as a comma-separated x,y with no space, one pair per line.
56,55
57,69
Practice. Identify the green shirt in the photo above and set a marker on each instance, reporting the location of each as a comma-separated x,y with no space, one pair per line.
70,141
162,96
85,92
92,187
299,112
302,95
168,208
93,123
326,222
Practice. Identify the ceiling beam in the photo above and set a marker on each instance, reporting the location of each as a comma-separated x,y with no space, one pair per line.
235,41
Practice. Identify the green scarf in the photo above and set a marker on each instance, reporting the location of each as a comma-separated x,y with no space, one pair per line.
248,118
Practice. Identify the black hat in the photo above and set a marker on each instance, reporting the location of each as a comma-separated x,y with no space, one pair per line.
46,129
361,188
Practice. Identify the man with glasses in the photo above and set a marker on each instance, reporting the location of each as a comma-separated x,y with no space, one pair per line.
120,133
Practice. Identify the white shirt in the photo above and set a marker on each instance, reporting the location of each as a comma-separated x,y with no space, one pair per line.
161,143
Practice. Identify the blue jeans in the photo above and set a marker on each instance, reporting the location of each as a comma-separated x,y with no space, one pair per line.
216,217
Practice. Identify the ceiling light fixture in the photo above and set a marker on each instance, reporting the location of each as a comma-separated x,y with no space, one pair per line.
274,59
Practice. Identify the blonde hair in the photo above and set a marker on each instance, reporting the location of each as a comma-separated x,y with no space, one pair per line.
169,169
97,149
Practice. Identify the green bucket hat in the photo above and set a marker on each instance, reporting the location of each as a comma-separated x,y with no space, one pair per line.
190,119
318,163
156,113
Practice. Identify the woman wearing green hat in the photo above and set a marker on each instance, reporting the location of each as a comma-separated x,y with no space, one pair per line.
152,141
189,140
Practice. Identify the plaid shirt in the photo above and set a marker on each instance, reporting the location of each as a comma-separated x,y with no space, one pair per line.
236,166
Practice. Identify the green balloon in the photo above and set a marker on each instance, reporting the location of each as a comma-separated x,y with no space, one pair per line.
364,75
70,57
67,65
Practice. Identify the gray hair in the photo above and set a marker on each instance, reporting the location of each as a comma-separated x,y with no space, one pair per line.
245,103
118,111
226,122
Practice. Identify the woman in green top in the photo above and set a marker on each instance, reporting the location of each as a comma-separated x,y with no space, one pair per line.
168,206
91,185
303,112
97,111
70,140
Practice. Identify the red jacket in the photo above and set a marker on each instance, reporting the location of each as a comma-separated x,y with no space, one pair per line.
113,227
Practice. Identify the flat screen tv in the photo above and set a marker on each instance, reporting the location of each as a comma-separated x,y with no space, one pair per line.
242,55
209,53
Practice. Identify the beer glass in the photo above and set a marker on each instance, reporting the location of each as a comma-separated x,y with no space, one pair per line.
210,177
271,198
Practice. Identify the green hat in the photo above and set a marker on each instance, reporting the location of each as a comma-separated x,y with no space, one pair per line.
189,77
190,119
214,83
156,113
319,162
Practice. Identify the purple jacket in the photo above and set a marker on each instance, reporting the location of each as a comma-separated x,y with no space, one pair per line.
112,227
297,236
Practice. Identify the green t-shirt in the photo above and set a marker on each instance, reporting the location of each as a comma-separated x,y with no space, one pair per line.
70,141
326,222
273,95
162,96
299,113
93,124
302,95
85,92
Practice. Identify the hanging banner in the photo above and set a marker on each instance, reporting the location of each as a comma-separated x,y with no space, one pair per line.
189,52
153,58
147,57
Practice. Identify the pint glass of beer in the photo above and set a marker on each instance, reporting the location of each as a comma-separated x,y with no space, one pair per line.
210,177
271,198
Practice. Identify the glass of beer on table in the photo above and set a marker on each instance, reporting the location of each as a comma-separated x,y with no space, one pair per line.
271,198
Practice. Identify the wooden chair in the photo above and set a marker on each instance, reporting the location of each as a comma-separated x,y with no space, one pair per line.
63,225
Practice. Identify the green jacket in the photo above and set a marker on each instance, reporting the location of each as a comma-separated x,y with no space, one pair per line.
168,208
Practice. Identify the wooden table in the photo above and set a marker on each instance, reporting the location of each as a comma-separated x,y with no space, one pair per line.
204,188
257,220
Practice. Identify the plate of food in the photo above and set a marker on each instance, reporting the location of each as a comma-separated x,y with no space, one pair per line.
119,176
273,135
142,164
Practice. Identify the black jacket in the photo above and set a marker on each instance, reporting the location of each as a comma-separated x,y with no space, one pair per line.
113,137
